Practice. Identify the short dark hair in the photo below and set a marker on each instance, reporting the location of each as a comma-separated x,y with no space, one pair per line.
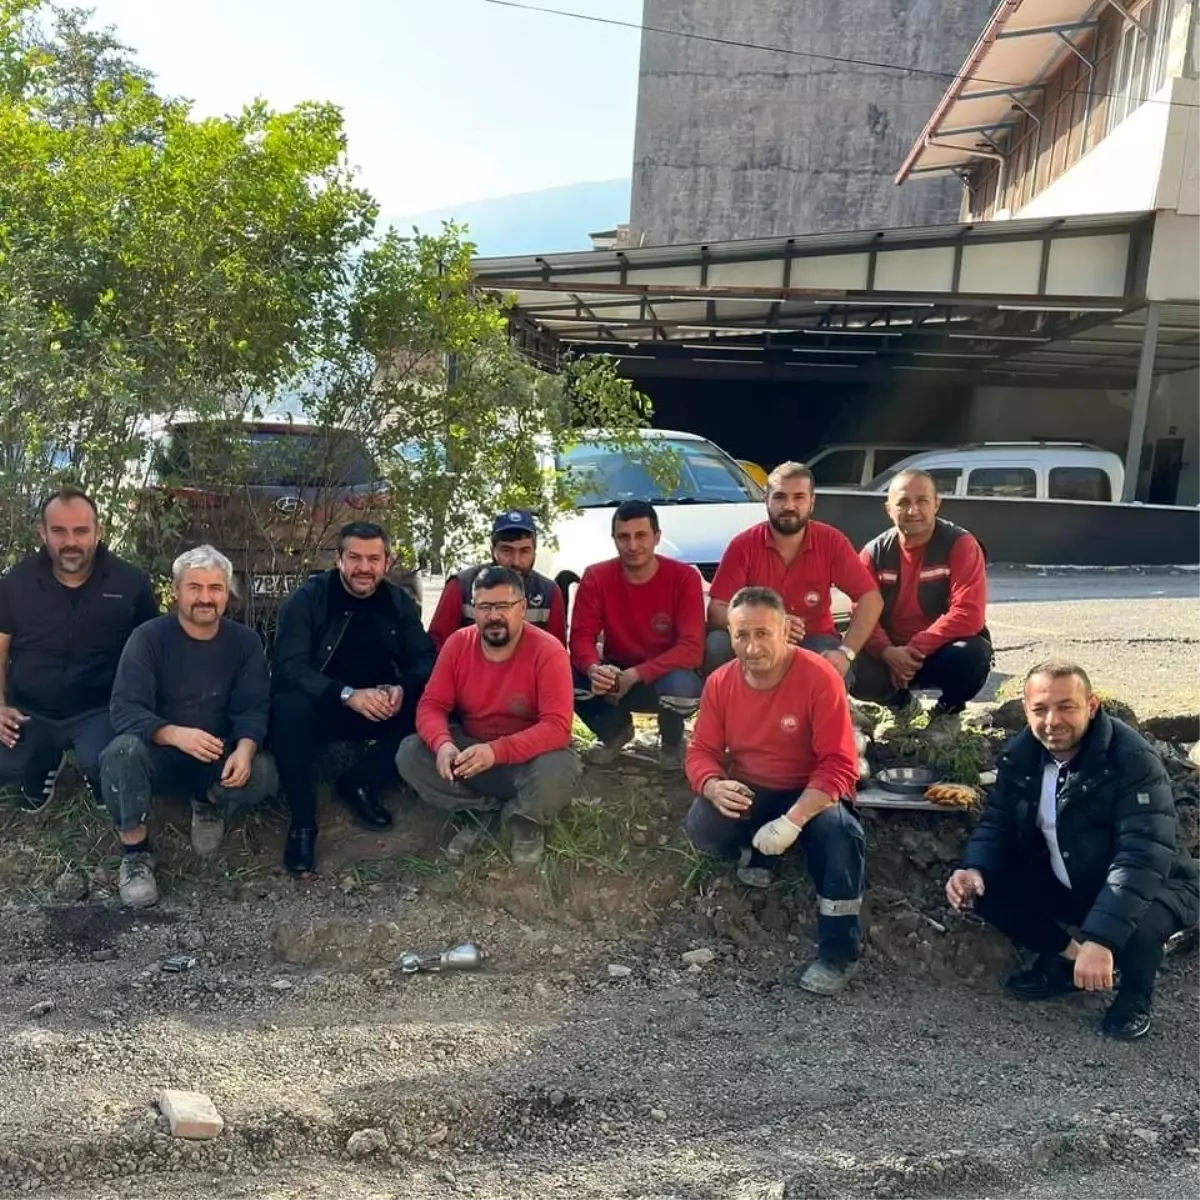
364,531
66,495
514,535
758,597
493,576
635,510
791,470
1061,668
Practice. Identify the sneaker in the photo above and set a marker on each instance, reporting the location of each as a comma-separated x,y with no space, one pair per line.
753,876
528,843
944,726
136,879
208,827
37,789
823,978
1051,975
468,839
604,754
670,758
1127,1019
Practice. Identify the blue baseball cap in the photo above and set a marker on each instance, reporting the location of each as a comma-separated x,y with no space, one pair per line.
514,518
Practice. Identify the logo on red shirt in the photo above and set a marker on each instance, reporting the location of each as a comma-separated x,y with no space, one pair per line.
789,723
812,599
662,624
518,705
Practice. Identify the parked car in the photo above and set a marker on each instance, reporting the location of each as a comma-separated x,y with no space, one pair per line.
855,464
1019,471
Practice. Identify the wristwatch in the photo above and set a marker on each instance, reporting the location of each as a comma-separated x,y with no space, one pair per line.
851,655
346,693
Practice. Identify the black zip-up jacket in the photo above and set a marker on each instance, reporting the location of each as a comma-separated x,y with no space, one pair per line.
306,640
66,642
1118,831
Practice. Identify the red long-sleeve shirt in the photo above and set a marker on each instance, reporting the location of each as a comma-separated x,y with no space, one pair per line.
656,626
826,559
447,617
522,707
795,735
968,600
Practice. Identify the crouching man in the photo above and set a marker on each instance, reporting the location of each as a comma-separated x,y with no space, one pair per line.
190,707
772,760
507,685
1080,830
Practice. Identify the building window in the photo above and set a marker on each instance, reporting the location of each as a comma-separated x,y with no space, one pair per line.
1017,483
1142,58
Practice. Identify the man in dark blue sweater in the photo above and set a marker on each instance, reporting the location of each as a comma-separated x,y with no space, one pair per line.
190,707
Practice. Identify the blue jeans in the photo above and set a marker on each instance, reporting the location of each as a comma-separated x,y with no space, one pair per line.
835,854
673,697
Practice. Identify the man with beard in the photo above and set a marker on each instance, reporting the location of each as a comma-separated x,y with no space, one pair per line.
494,725
933,577
514,545
647,612
801,560
190,706
773,761
66,613
351,660
1081,830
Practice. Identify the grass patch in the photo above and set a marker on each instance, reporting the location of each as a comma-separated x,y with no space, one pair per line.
401,869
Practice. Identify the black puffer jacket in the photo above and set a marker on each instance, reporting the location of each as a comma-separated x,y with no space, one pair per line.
1117,828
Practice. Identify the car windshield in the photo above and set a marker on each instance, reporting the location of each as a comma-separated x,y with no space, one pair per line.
606,474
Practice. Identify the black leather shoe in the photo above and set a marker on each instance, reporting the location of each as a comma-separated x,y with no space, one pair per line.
1051,975
1127,1019
300,854
365,808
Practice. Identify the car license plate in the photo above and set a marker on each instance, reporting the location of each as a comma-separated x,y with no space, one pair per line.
274,585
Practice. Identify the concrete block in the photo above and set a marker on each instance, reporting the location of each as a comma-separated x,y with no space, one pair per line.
191,1114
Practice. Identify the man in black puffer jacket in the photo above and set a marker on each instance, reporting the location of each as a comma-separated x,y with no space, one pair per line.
1081,829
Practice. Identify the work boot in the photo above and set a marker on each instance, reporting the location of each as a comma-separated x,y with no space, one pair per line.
364,807
136,881
670,758
528,843
944,726
300,853
751,871
826,978
469,838
1128,1017
604,754
38,783
208,826
1051,975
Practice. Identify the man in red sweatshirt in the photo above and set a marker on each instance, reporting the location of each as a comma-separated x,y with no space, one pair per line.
932,634
773,760
647,612
506,752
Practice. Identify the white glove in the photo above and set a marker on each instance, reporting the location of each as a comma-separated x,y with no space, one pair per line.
775,836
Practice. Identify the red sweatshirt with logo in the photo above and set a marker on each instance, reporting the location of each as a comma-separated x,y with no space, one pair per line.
795,735
522,707
656,626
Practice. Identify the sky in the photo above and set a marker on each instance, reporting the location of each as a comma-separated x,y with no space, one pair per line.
445,101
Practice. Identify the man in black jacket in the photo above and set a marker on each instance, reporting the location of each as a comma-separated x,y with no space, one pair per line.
65,615
1081,829
351,660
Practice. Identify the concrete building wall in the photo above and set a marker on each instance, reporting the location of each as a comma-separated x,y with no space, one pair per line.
735,142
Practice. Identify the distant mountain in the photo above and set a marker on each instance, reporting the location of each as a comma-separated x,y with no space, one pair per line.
554,219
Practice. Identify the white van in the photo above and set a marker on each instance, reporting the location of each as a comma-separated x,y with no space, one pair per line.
1018,471
856,464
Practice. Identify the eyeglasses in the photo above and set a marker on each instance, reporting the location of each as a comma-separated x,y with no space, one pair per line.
497,606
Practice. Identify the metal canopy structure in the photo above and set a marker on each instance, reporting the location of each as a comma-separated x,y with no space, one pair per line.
1020,48
1057,301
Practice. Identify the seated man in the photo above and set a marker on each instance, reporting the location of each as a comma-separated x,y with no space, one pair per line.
933,577
802,560
494,725
1081,829
648,612
514,545
772,759
65,615
190,706
351,660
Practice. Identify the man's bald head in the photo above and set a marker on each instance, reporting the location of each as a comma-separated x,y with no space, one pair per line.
912,504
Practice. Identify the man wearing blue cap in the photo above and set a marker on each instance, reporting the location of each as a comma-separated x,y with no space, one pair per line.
514,545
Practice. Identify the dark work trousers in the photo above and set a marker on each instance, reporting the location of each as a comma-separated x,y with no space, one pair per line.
43,741
537,790
132,772
300,726
1030,906
958,670
673,697
835,854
